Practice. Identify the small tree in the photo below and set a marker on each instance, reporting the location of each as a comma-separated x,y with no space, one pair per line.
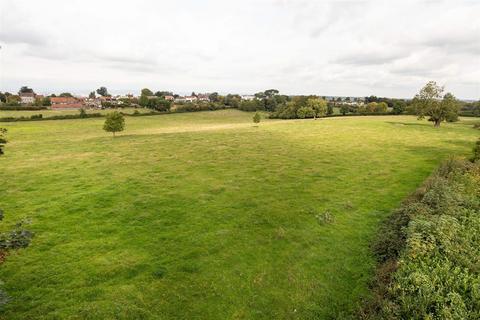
256,118
431,102
115,122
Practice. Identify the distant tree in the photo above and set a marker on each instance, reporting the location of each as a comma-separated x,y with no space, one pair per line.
3,139
256,118
213,97
146,92
25,89
329,109
162,94
103,91
431,102
371,99
233,100
319,106
66,94
13,100
399,106
305,112
371,107
271,92
46,102
158,104
381,107
3,97
114,122
92,95
344,109
143,101
260,95
193,94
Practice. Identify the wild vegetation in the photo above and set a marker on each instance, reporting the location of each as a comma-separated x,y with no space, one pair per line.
428,250
203,215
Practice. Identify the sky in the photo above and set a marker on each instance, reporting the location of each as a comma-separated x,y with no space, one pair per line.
338,48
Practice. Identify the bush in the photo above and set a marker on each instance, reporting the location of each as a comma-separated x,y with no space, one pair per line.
428,251
36,116
22,108
39,117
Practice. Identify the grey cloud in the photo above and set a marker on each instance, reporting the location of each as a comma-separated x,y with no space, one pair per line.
22,37
369,59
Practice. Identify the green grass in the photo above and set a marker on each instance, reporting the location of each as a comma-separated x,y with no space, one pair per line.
58,112
204,216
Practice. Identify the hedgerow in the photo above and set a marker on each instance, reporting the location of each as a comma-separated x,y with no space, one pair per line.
428,251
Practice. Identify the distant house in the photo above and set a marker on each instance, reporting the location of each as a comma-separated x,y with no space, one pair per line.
67,103
186,99
203,97
93,103
27,97
247,97
169,98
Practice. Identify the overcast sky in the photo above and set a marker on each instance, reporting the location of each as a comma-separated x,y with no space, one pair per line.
347,48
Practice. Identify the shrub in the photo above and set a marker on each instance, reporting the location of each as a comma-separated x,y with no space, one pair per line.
428,251
82,113
256,118
22,108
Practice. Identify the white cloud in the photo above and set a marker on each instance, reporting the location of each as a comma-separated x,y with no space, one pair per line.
325,47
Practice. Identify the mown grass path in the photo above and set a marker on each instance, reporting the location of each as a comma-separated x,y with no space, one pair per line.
203,216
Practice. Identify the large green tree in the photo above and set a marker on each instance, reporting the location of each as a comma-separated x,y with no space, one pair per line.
431,102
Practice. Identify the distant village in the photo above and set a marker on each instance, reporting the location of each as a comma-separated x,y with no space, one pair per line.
102,99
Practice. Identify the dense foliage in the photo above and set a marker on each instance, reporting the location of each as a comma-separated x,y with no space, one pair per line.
431,102
429,250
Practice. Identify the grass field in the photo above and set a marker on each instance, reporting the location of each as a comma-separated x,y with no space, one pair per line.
57,112
204,216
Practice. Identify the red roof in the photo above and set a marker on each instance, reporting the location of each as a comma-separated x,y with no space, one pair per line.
58,100
67,106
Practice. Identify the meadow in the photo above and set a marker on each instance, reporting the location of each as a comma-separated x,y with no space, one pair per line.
206,216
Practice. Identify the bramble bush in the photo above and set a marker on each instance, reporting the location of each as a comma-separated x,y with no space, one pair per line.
428,251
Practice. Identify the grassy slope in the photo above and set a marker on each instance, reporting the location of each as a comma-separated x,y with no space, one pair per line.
203,216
